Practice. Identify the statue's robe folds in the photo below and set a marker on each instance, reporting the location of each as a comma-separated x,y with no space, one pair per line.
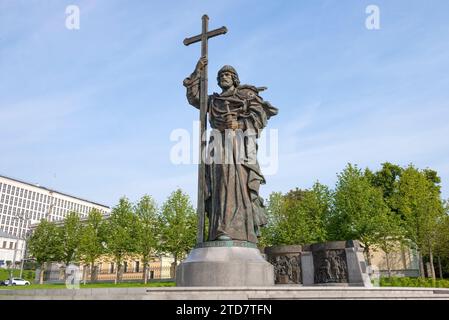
233,175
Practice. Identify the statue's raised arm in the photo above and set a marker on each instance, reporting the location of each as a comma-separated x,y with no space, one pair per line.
192,83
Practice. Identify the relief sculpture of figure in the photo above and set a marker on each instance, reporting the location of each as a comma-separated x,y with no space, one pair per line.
237,116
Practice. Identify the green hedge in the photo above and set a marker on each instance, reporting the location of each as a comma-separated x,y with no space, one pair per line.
413,282
27,274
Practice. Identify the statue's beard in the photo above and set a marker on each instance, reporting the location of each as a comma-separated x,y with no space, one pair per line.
225,86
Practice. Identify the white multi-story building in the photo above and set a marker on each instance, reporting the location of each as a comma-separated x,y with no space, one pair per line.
23,204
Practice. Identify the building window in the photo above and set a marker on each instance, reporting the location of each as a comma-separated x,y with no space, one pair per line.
152,274
125,267
4,244
137,266
112,267
11,244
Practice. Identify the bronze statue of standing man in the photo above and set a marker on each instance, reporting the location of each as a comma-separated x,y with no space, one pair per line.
232,179
229,178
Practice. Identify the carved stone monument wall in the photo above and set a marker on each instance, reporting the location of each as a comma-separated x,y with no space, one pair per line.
286,261
330,266
329,263
334,263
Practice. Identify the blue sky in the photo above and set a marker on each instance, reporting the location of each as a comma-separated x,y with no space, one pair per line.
90,111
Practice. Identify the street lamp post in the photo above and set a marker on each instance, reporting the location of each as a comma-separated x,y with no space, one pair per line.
24,252
22,218
11,271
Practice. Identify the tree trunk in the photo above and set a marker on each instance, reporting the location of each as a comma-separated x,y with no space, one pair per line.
439,268
432,269
145,272
367,255
421,264
116,273
65,271
84,273
173,269
41,276
91,271
387,258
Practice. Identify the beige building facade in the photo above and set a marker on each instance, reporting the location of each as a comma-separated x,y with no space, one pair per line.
402,261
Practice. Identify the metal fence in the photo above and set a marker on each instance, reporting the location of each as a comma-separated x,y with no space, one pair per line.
56,275
153,273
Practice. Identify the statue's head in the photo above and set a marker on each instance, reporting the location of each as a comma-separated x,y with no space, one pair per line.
227,77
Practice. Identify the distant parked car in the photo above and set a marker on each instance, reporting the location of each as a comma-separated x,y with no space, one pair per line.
17,282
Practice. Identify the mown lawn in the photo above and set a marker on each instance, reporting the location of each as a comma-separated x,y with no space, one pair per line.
93,285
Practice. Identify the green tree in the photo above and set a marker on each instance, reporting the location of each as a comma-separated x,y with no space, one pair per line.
299,217
419,203
91,242
147,236
386,178
270,234
317,205
442,241
359,210
178,225
120,234
70,236
44,245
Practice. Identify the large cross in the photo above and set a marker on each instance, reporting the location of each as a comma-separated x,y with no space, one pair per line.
203,37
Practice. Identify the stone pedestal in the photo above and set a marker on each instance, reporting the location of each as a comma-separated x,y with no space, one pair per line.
225,264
